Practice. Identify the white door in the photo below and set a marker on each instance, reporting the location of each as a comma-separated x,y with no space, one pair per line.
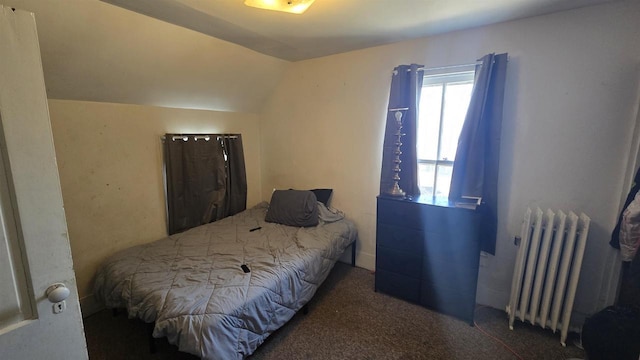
34,247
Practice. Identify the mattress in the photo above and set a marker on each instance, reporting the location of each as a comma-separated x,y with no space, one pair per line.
192,286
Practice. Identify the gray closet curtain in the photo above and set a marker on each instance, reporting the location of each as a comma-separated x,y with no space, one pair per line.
406,85
475,170
236,175
201,185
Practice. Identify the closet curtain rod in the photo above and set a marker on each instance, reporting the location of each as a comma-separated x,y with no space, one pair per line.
196,137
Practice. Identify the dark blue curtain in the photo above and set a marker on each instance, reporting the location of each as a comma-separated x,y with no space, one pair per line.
406,85
475,170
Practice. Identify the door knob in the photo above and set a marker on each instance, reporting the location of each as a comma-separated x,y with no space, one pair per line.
57,292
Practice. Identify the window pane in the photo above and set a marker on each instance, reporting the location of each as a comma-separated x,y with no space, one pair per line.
429,122
456,103
426,174
443,180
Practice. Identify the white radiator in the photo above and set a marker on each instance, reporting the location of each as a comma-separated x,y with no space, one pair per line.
547,269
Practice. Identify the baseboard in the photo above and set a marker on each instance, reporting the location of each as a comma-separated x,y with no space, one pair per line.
89,306
366,261
495,299
491,297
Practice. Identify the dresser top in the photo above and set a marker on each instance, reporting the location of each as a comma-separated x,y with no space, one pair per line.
431,200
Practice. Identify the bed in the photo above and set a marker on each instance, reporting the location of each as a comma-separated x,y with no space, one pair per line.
218,290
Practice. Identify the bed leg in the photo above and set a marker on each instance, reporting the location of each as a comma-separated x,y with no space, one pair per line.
353,254
115,312
152,340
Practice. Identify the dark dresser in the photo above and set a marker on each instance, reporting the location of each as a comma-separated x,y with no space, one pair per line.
428,253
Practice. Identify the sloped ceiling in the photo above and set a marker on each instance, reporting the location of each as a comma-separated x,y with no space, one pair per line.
222,55
95,51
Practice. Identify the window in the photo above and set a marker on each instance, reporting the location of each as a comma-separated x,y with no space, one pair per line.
443,106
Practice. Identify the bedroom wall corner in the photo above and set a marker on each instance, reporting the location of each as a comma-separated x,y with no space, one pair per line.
110,162
329,138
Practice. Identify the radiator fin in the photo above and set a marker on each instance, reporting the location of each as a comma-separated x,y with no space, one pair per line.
547,269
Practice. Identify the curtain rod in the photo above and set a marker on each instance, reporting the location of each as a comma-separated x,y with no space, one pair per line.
447,67
478,62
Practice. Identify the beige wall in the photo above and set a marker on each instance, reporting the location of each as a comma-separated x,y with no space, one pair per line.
110,162
572,88
95,51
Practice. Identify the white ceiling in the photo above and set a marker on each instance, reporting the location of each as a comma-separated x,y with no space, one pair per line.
336,26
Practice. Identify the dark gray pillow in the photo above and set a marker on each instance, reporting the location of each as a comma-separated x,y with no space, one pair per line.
323,195
293,208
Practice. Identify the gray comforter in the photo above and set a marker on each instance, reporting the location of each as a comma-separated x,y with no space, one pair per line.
192,286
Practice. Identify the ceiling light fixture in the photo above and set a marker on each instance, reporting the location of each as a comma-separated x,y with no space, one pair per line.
290,6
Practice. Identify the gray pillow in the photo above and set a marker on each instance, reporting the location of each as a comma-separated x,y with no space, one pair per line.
293,208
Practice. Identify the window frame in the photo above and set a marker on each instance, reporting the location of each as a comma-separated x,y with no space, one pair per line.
444,76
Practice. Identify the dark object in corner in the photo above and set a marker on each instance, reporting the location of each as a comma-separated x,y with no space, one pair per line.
323,195
612,333
245,268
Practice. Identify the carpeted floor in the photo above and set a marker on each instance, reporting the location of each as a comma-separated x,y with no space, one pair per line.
348,320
